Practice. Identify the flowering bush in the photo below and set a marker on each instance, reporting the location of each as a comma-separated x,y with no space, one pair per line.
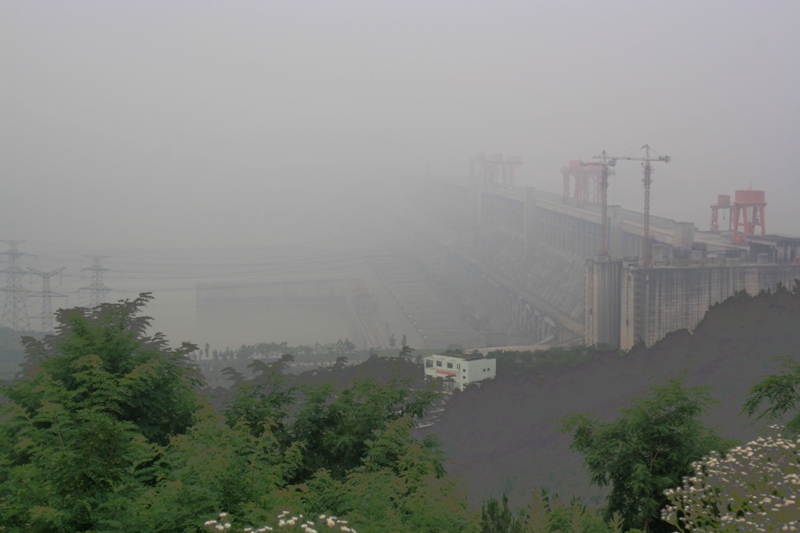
753,488
284,523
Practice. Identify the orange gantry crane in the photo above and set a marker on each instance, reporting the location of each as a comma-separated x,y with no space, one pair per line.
747,201
723,202
587,178
494,169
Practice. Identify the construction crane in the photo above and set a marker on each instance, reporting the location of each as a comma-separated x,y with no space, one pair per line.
647,257
607,161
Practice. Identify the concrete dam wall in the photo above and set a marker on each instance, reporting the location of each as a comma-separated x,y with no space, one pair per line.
522,265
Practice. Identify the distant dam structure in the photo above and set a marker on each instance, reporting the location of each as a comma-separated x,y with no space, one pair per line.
524,265
477,261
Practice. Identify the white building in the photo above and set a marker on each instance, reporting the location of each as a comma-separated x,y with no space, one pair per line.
463,369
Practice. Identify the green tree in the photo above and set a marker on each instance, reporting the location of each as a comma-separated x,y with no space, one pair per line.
335,428
161,398
105,432
399,487
59,462
495,519
88,416
406,351
547,513
781,392
645,451
210,468
263,403
349,346
246,352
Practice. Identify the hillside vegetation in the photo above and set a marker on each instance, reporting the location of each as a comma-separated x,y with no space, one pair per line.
503,436
108,428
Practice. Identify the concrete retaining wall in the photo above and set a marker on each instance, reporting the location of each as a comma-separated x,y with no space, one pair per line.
656,301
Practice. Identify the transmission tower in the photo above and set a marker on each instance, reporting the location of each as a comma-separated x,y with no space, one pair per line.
97,288
46,294
15,314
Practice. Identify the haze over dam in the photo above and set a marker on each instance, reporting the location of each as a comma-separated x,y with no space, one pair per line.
164,131
533,263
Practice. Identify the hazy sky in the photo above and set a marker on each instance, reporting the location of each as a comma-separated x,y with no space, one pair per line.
209,124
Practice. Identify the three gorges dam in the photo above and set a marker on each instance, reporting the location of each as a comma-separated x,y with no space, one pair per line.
481,262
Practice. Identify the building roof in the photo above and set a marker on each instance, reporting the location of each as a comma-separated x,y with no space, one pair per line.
463,356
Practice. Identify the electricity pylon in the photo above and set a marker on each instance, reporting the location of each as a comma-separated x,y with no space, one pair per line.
97,288
15,314
46,294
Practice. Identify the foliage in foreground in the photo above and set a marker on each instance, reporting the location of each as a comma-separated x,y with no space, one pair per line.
106,432
94,403
649,449
284,522
781,392
547,513
497,519
752,488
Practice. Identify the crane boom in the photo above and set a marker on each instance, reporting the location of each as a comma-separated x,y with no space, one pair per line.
647,256
610,161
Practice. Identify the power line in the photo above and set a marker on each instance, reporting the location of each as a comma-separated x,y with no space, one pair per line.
15,313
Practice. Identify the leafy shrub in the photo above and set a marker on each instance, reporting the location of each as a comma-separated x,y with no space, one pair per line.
753,488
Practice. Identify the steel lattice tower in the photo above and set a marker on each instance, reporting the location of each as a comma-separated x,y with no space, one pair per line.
97,288
46,294
15,313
